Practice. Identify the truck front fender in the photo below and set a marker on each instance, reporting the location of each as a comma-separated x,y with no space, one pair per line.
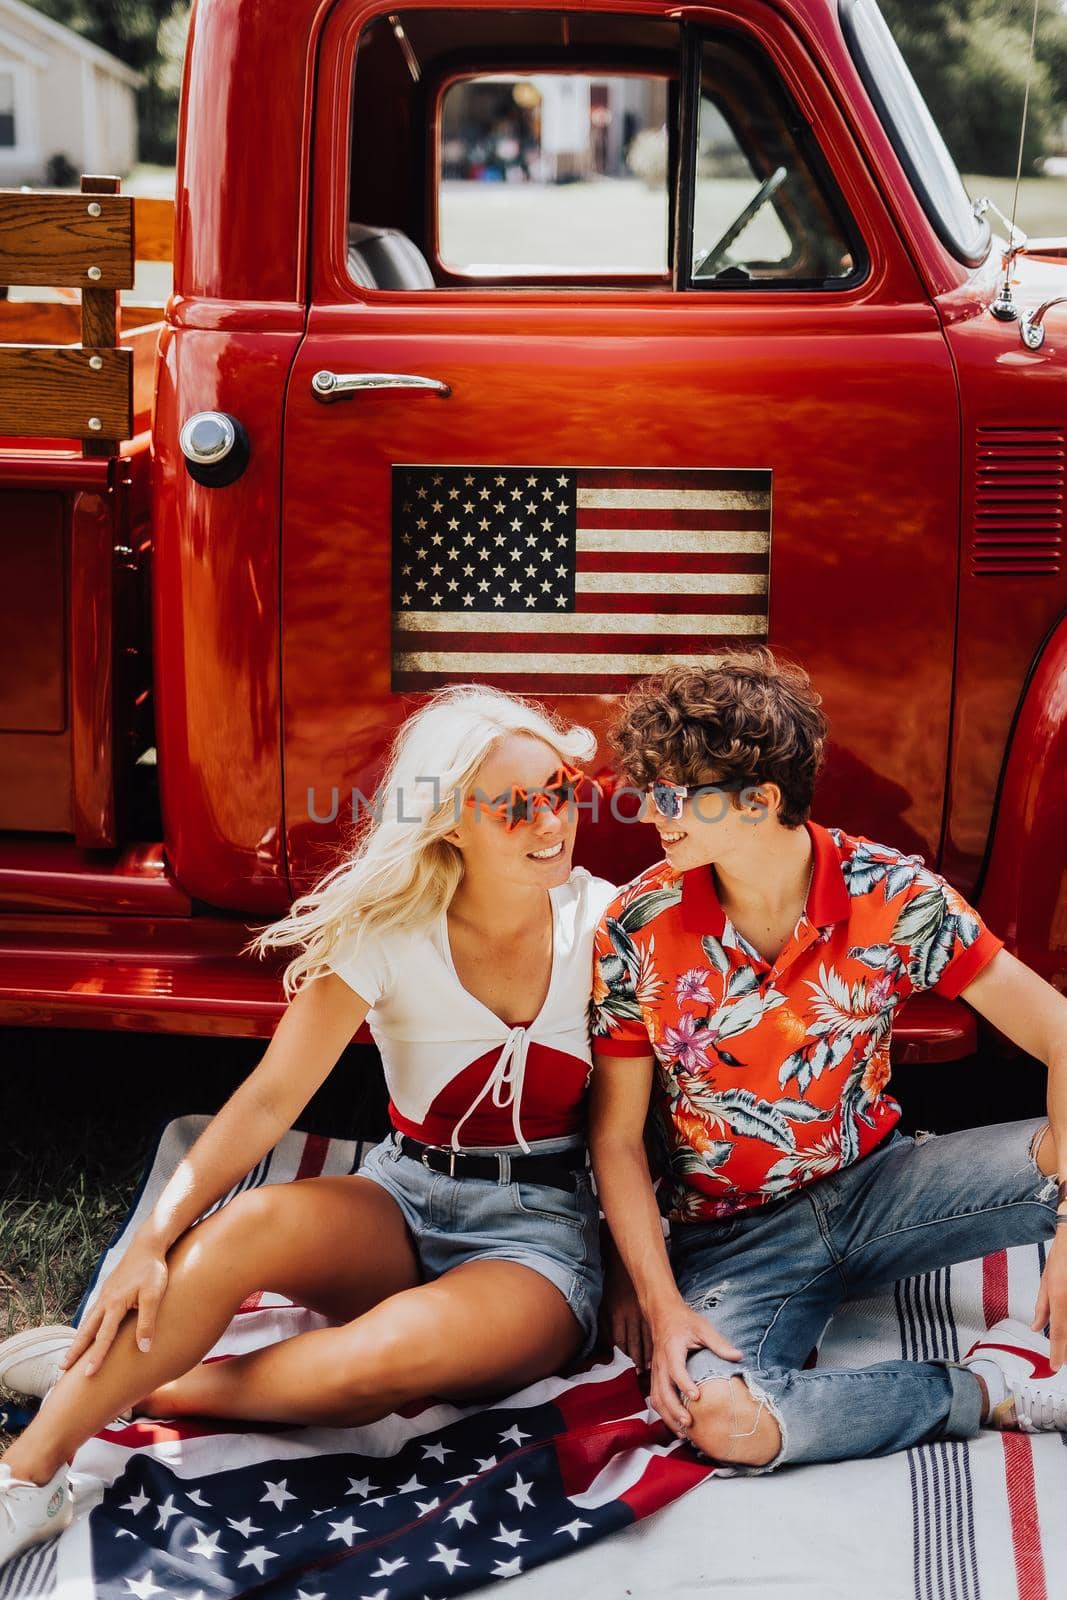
1023,895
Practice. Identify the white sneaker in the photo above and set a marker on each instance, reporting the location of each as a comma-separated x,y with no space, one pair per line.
29,1362
1024,1391
30,1512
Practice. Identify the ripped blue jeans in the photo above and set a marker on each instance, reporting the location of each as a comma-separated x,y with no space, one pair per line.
771,1278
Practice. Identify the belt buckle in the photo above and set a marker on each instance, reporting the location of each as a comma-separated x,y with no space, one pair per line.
445,1149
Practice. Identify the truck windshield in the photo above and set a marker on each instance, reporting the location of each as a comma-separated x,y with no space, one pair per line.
916,139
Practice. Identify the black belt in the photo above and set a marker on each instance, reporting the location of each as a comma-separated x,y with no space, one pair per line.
554,1167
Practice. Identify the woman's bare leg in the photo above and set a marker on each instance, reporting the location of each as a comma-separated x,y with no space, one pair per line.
481,1329
335,1244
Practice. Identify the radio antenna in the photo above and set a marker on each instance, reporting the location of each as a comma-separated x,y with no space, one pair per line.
1004,306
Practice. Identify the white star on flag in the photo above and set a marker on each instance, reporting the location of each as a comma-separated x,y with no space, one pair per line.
207,1544
521,1491
166,1510
360,1486
461,1515
277,1493
508,1569
197,1498
448,1558
385,1568
246,1526
515,1434
257,1558
509,1536
136,1503
345,1530
436,1452
143,1587
574,1528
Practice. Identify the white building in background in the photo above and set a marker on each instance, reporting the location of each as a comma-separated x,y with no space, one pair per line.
61,95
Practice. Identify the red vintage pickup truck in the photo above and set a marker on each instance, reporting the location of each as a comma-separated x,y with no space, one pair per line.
686,302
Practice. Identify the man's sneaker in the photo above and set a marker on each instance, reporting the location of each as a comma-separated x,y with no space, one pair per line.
29,1362
30,1512
1024,1391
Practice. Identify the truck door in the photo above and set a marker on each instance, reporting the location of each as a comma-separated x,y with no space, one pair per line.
614,356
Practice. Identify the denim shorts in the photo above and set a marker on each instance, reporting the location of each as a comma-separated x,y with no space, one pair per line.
556,1232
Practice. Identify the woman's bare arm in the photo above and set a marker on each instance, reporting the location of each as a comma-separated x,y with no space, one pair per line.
315,1027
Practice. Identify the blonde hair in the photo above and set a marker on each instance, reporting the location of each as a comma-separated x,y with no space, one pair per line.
399,871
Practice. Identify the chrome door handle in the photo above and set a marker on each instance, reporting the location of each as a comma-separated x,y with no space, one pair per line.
336,385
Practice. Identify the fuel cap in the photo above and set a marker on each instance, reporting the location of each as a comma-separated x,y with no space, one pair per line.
215,447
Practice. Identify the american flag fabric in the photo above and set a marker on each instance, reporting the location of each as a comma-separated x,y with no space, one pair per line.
431,1503
574,579
193,1511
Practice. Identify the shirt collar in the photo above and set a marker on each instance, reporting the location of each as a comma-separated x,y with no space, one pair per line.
828,899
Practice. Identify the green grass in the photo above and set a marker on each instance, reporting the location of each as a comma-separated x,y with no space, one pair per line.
79,1115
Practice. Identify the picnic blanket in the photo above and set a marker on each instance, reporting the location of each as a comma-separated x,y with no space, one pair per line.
570,1487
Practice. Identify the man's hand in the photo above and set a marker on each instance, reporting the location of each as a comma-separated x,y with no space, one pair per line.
1052,1300
621,1321
675,1333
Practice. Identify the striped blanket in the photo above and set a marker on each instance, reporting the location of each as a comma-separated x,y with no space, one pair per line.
572,1487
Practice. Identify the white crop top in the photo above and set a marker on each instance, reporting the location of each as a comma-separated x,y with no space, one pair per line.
429,1028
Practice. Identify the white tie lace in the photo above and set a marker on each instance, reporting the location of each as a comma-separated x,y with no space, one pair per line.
504,1083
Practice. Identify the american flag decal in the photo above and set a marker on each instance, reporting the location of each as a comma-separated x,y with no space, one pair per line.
574,579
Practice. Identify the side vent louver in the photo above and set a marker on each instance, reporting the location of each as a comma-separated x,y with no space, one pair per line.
1018,502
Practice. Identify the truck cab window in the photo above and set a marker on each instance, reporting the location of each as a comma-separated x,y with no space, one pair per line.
762,213
511,149
553,173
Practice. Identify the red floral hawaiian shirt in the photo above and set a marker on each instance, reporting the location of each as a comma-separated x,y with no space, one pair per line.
769,1076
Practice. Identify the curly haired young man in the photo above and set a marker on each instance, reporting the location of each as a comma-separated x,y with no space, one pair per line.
748,983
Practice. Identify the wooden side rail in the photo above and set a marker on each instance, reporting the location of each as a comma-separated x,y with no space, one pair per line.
87,244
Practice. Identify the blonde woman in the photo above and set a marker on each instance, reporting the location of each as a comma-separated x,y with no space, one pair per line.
463,1259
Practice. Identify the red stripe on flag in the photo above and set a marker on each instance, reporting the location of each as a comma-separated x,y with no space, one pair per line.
583,1455
471,645
744,605
694,520
664,1479
592,1402
652,560
746,478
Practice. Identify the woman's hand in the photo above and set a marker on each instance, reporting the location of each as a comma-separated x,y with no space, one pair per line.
137,1282
621,1321
1052,1300
675,1333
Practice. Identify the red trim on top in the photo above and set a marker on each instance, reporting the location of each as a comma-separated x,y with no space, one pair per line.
968,964
828,898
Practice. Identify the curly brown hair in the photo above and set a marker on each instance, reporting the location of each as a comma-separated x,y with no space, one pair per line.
753,718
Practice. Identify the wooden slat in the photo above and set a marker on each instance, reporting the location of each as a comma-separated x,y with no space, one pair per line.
52,391
49,238
48,322
153,227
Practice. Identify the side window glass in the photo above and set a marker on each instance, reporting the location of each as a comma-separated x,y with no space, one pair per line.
553,175
765,210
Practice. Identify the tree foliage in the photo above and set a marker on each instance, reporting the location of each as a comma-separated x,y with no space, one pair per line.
149,35
969,58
